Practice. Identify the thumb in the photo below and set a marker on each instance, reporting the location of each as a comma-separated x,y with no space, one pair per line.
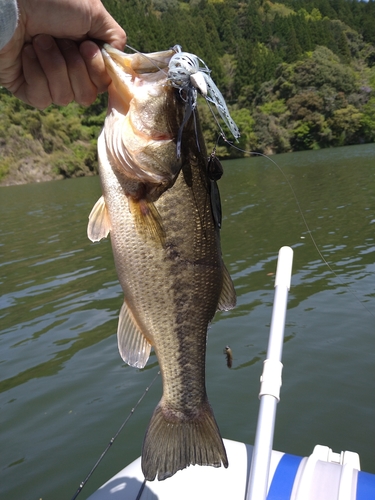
104,27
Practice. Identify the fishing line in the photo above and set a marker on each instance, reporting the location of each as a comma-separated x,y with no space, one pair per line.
113,439
146,57
220,105
222,136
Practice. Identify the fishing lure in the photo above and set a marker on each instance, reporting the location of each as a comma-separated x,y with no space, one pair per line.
186,73
229,355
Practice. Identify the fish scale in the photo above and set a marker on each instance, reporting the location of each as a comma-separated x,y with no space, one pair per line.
166,247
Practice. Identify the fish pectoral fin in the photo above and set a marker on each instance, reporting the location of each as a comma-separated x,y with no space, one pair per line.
99,224
133,346
147,220
228,297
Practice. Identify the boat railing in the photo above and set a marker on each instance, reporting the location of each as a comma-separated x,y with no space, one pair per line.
270,379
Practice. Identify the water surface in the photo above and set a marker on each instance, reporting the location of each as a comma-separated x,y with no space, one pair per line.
64,391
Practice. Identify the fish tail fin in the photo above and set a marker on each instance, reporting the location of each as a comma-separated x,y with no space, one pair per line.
147,219
173,442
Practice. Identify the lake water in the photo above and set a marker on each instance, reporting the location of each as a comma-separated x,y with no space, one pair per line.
64,391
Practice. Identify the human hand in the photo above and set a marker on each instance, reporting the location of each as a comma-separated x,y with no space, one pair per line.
50,59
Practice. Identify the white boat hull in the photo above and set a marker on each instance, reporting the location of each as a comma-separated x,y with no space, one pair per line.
322,476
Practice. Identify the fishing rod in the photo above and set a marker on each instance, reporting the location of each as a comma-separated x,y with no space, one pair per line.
82,484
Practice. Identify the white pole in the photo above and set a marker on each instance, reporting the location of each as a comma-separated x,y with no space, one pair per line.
269,394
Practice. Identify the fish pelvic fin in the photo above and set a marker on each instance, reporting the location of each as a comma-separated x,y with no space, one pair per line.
99,225
228,297
133,346
174,441
147,220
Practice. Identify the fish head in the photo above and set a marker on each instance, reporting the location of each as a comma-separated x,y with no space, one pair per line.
144,115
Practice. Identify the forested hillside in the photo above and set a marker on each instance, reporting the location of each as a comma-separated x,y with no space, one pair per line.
296,74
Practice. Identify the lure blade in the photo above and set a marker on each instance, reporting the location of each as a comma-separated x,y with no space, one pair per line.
216,97
214,167
186,74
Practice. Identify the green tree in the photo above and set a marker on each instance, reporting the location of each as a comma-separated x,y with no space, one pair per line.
368,121
345,125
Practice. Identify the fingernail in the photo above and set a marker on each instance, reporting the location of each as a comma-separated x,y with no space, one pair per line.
44,42
89,49
29,51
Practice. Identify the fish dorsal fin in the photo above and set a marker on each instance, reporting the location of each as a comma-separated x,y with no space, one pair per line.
227,298
133,346
99,225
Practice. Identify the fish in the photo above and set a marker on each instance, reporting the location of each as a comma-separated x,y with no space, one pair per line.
156,206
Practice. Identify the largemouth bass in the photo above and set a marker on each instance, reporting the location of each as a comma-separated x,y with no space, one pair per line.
156,205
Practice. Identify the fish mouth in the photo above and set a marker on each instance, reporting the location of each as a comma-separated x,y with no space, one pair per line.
123,69
142,121
137,62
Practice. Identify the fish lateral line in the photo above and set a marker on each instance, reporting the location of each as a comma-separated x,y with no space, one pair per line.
154,238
